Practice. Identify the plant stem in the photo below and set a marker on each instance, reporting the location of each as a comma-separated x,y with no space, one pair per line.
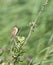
35,21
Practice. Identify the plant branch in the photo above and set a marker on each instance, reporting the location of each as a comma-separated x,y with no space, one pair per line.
35,21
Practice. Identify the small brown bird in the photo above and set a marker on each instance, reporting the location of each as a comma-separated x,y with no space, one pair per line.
14,31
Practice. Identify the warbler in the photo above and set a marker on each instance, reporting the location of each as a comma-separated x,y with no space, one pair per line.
14,31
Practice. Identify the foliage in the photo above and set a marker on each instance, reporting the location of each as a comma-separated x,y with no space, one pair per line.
39,45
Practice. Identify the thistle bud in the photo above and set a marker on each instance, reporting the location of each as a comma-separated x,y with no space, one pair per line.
28,59
4,49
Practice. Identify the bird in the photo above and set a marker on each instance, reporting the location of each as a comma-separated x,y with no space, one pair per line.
14,31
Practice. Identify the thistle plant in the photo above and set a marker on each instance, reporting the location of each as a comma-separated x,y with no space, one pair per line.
15,50
16,47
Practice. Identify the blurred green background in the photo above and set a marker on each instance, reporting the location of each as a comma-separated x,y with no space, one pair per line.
21,13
